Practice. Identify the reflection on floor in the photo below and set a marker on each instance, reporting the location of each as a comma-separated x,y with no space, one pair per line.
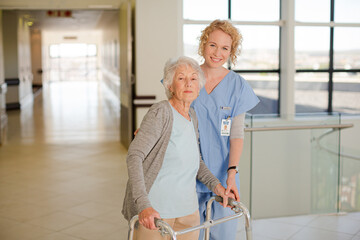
63,173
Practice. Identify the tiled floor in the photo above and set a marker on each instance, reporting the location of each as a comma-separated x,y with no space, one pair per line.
63,173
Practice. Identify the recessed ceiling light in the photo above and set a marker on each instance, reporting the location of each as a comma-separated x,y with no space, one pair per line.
100,6
70,37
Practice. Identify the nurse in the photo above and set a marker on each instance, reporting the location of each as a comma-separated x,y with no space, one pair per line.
221,108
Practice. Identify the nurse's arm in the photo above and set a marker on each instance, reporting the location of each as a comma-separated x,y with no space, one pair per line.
236,147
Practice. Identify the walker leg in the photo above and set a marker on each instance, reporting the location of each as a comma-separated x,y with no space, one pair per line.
247,221
132,227
208,217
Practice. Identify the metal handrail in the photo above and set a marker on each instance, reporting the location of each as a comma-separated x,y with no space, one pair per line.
334,126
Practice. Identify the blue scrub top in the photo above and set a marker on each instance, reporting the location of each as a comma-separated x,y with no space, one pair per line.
231,97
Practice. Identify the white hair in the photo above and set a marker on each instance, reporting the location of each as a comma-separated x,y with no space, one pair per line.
170,69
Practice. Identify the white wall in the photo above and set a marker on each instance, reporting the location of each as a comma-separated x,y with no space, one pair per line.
2,75
17,58
36,56
158,37
10,40
110,51
3,89
24,62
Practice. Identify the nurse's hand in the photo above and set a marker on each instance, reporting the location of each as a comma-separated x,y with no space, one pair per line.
231,185
147,217
220,191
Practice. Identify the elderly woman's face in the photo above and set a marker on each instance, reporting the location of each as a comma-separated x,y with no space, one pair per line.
185,86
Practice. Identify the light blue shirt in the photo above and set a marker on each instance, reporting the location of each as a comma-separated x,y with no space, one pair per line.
231,97
173,193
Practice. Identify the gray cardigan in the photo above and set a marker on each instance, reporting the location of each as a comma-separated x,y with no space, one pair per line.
146,154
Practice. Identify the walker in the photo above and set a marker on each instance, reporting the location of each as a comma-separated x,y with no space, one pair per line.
165,228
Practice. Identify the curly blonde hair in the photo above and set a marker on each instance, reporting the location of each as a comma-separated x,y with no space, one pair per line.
227,28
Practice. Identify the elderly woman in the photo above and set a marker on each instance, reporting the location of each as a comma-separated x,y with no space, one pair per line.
164,161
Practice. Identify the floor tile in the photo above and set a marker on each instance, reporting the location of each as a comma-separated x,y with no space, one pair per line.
274,229
62,202
343,224
23,232
91,209
91,230
316,234
58,236
57,221
297,220
23,212
354,215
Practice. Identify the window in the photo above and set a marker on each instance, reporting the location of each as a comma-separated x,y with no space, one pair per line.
312,48
312,11
73,61
255,10
259,60
327,51
347,11
72,50
196,10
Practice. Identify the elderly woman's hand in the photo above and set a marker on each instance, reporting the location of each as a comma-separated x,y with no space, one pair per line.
147,217
221,191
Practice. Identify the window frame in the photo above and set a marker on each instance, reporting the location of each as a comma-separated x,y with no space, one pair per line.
330,70
287,99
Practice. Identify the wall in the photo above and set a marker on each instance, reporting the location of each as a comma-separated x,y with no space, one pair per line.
36,57
10,41
126,73
2,75
24,62
3,90
110,50
158,37
17,60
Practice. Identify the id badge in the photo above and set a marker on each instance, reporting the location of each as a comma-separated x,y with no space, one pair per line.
225,127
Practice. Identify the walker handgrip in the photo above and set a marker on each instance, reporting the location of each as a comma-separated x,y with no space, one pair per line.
156,221
231,201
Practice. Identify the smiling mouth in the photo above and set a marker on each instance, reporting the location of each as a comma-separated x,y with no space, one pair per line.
216,59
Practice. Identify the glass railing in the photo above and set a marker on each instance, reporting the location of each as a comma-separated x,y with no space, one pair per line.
349,191
293,165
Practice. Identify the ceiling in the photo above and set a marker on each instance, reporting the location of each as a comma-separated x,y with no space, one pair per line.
80,20
60,4
85,14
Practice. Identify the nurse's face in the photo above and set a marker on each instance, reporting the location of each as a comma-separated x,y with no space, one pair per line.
217,49
185,86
